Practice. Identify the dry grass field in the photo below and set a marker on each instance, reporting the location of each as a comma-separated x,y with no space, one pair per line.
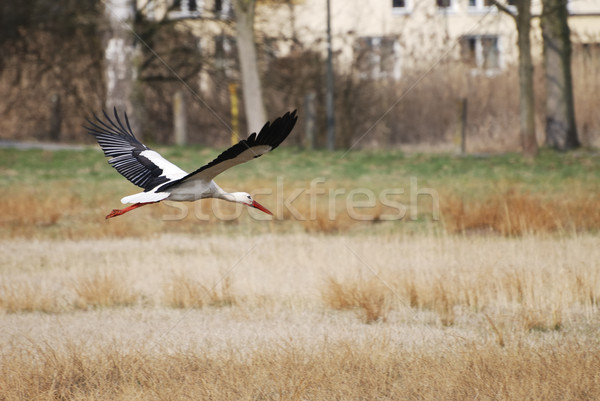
301,317
488,288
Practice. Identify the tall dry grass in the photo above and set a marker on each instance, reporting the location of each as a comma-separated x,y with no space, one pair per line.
513,213
48,215
532,281
375,369
450,317
103,290
27,296
183,291
371,297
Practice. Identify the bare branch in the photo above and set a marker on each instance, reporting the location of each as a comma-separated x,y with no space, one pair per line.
504,8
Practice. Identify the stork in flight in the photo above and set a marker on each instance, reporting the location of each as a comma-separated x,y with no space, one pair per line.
162,180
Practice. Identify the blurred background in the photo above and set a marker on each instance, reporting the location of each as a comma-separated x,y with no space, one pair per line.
436,75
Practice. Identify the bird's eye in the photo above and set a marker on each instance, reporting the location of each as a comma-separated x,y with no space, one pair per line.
249,197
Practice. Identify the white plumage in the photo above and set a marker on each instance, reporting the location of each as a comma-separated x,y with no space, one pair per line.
162,179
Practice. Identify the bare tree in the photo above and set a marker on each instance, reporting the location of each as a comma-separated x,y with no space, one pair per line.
121,59
246,45
561,131
522,20
50,67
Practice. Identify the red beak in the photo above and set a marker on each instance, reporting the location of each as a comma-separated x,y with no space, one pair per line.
260,207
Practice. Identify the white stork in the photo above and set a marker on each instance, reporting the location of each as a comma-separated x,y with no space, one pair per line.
162,180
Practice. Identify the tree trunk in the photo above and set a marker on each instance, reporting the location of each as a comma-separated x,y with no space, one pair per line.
526,94
561,130
120,57
251,85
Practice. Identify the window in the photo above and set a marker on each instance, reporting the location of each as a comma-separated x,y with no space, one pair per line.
378,57
480,5
401,6
185,5
486,5
447,5
481,52
186,9
490,53
223,9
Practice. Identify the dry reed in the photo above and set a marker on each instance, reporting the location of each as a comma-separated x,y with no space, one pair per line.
26,296
513,213
375,369
371,297
444,275
185,292
29,215
102,290
451,318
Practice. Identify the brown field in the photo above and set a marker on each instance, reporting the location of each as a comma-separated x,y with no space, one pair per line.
73,213
301,316
493,295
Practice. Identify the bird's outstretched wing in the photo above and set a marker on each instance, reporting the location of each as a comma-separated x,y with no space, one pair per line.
269,137
134,160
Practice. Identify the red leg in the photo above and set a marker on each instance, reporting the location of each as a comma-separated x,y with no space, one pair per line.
118,212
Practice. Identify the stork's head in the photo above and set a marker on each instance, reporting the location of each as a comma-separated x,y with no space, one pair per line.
246,199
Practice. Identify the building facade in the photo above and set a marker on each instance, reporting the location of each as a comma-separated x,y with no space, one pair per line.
379,38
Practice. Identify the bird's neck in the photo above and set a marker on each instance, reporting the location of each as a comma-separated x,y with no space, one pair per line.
227,196
221,194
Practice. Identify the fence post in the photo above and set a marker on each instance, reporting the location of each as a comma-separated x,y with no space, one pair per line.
55,118
179,119
461,129
463,134
309,131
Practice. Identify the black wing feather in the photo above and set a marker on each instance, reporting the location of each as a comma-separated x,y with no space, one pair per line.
271,134
122,146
